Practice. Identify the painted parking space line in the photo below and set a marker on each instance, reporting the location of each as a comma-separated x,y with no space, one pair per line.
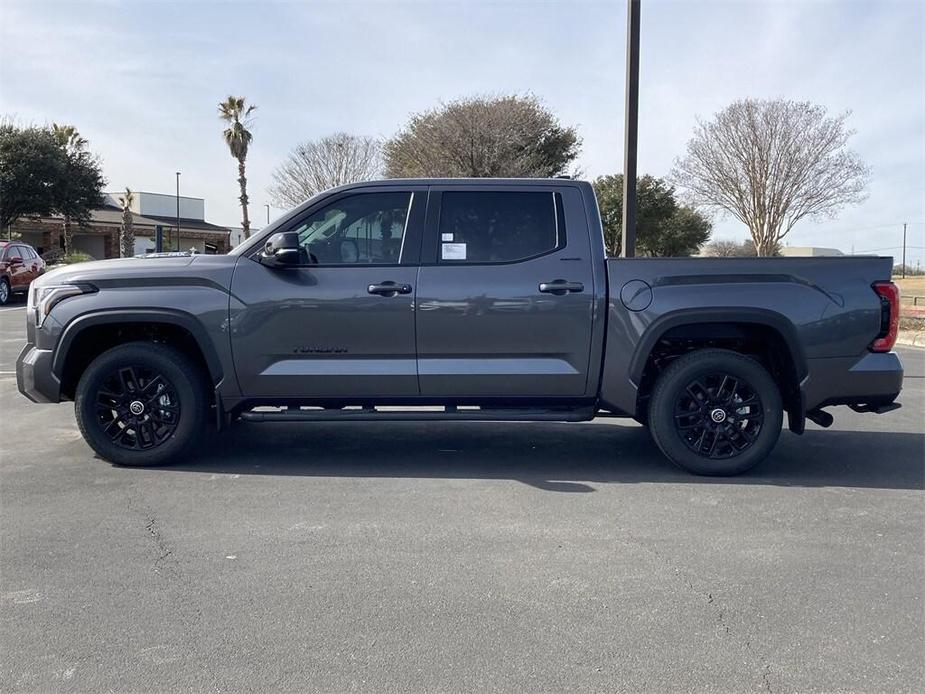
12,308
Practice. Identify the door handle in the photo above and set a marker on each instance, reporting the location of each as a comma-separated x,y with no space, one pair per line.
561,287
389,288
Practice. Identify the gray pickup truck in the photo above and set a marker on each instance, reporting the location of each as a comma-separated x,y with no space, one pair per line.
471,299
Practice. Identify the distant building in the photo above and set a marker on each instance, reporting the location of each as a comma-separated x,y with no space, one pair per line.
808,251
100,239
237,235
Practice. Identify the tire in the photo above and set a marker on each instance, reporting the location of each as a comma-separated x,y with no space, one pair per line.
142,404
5,291
711,426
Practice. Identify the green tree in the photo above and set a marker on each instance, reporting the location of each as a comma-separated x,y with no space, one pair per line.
507,136
31,167
45,171
239,116
70,141
127,228
664,228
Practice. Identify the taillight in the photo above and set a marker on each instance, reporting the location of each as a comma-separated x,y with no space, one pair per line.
889,316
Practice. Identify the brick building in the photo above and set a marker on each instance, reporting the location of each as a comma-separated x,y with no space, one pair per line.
100,238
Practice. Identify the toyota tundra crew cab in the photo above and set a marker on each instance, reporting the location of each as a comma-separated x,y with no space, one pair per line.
475,299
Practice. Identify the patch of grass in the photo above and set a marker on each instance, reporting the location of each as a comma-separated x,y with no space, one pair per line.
76,257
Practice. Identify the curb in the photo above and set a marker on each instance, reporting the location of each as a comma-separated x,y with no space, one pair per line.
911,338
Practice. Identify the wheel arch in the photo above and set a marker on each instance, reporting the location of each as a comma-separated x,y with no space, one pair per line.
702,327
124,325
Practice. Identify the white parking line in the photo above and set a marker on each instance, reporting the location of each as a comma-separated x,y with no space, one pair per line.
12,308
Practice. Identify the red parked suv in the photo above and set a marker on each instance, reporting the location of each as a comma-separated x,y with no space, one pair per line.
19,265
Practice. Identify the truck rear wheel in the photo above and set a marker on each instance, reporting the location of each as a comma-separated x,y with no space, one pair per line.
715,412
141,403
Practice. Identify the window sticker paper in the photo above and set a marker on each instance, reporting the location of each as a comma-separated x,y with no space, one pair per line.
453,251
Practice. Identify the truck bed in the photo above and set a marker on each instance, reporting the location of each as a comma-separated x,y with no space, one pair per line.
823,309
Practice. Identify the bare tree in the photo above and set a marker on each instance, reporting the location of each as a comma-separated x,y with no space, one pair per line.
770,163
722,248
317,165
514,136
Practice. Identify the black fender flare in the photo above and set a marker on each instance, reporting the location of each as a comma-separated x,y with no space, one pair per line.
138,315
734,314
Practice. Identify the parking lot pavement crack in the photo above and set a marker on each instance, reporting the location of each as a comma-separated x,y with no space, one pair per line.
163,550
718,610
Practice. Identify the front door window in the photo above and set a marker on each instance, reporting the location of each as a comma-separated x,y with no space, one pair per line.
362,229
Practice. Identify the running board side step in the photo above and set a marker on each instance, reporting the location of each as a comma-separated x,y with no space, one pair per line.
449,414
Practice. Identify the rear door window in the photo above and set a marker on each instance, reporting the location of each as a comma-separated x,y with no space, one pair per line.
478,227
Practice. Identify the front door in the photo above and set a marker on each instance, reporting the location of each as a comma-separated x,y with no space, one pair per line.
340,325
506,293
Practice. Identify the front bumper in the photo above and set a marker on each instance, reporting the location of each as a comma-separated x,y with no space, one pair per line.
34,376
873,379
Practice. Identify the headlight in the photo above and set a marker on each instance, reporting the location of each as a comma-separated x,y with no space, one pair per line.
45,298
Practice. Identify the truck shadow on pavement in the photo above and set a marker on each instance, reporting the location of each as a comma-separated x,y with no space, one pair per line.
551,457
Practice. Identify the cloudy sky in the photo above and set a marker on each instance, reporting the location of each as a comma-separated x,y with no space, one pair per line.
141,80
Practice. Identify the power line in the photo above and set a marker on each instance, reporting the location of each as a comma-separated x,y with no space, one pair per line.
887,248
878,226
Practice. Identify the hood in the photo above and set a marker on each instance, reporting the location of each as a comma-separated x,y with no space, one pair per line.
159,265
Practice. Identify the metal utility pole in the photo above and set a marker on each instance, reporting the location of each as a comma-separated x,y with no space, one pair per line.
178,210
904,250
631,129
268,212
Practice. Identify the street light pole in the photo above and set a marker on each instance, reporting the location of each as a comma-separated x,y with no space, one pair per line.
268,212
631,129
178,210
904,250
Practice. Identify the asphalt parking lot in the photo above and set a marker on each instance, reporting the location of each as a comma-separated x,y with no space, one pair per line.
460,557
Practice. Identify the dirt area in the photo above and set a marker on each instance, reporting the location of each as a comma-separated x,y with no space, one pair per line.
911,324
911,286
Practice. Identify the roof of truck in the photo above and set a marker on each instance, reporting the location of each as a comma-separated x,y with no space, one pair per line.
561,180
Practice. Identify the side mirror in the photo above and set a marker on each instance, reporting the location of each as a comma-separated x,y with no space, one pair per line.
281,250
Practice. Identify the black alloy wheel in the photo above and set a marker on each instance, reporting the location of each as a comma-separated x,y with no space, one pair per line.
715,412
718,415
137,407
142,403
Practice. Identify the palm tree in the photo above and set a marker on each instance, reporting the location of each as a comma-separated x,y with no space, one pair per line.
127,231
73,144
238,115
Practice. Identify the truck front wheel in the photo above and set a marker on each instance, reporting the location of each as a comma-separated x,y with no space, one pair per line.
141,403
715,412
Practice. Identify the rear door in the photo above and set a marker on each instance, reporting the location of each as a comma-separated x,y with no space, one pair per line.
505,293
341,325
31,261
